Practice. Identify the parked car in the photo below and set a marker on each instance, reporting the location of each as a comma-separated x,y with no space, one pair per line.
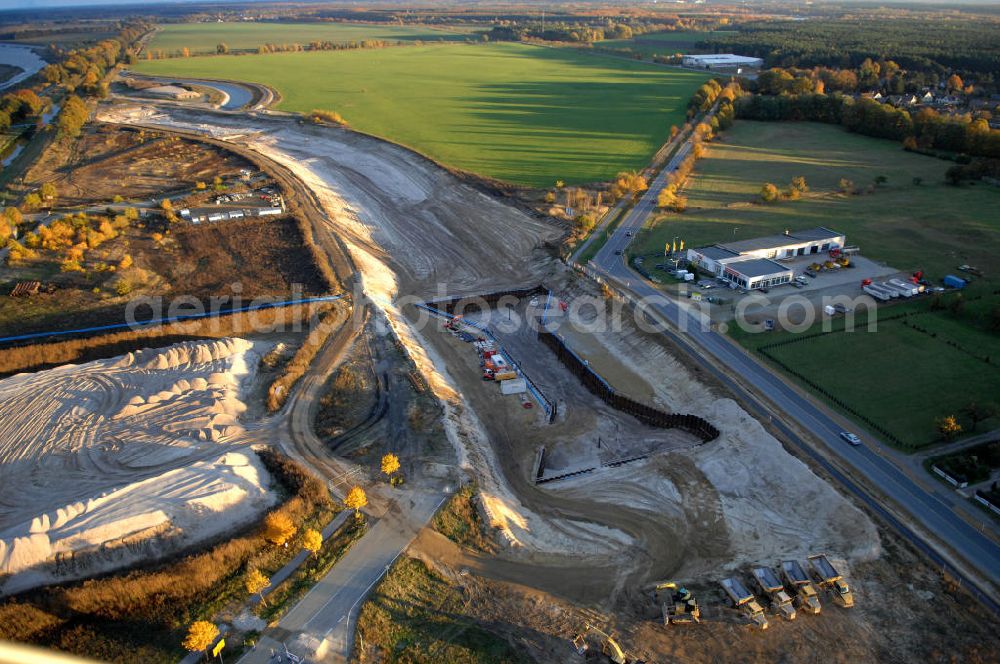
618,252
850,438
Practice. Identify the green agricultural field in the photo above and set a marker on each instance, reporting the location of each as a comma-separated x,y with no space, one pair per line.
903,376
523,114
663,43
931,226
898,377
204,37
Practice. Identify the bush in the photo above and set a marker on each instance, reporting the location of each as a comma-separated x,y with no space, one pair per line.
320,116
297,366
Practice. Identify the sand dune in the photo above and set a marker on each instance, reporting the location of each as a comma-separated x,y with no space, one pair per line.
149,443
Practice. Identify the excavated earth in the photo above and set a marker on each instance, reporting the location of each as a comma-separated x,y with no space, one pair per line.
688,511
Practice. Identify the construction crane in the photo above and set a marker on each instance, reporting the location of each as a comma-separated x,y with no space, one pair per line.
609,647
679,605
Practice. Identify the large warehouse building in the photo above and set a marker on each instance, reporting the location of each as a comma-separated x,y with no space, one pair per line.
751,264
721,61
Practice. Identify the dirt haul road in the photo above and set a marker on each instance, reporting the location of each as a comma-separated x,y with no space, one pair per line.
413,229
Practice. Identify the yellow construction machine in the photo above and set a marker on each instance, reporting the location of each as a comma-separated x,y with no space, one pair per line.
679,606
609,647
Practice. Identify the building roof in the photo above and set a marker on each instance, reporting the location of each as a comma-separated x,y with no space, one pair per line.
757,267
814,234
784,240
715,252
722,57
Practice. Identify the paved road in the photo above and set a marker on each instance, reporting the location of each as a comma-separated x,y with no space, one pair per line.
932,510
637,216
320,628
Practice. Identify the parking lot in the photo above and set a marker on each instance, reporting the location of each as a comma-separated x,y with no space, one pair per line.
724,303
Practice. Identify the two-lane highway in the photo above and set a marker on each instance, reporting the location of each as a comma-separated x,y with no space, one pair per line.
928,509
636,217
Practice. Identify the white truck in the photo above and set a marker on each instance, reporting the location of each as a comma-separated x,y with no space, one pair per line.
775,590
744,600
877,292
907,286
828,577
900,287
805,592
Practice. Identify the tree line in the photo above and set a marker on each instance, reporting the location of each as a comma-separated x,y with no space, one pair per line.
966,44
82,70
926,128
586,30
871,75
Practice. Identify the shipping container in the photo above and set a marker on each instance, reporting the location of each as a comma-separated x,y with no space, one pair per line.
951,281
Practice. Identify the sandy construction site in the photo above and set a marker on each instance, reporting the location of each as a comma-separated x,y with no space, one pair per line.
416,231
120,460
679,508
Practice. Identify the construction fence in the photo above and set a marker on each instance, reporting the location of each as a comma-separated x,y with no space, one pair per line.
600,387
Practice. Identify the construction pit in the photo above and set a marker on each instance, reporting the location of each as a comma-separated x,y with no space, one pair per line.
590,546
628,504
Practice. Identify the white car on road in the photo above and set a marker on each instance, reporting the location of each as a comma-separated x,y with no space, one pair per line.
850,438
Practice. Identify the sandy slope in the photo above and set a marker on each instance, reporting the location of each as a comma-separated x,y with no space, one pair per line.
108,453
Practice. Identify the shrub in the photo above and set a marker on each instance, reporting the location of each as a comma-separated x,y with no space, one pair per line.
319,116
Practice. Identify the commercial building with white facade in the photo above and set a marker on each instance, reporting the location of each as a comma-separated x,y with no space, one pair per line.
721,61
751,264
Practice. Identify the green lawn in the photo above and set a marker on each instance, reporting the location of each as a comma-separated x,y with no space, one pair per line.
933,226
523,114
204,37
662,43
903,376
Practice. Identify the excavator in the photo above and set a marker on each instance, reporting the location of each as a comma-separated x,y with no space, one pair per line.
609,647
679,605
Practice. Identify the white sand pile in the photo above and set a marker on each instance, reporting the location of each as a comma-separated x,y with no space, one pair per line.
101,454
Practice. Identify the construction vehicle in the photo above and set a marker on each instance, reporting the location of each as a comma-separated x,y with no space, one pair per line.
775,590
830,579
805,592
609,647
745,601
678,604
